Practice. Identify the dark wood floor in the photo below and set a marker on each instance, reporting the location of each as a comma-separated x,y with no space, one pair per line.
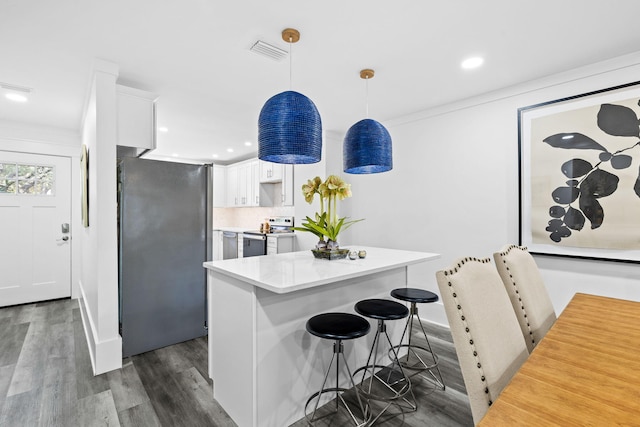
46,380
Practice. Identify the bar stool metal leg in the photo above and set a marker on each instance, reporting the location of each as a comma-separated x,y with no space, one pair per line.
419,364
338,350
385,377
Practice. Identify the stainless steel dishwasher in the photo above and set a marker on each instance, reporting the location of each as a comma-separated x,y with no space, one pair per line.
229,245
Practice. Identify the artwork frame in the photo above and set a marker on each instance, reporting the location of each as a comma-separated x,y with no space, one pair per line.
579,175
84,170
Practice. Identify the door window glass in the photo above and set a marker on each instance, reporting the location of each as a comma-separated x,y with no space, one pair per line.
37,180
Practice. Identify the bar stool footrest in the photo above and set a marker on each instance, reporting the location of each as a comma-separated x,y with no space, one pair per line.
393,378
420,365
357,422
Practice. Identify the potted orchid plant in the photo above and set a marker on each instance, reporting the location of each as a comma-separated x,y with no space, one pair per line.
326,222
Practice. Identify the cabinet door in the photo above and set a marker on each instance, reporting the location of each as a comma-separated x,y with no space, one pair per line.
219,187
270,172
136,113
272,245
254,183
287,185
232,186
244,184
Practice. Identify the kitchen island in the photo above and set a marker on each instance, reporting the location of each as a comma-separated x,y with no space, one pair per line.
263,362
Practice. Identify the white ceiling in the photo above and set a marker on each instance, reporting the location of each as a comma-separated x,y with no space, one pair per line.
195,55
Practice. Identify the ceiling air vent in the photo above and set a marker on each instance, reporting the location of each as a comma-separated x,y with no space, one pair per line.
265,49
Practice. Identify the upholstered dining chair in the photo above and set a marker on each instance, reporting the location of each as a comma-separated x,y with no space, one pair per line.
485,330
527,292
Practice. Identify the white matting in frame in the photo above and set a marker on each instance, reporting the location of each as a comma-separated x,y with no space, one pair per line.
580,175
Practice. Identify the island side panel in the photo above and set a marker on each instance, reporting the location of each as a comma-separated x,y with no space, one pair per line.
291,362
232,347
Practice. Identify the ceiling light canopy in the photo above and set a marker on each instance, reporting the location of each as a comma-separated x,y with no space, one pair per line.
289,125
367,144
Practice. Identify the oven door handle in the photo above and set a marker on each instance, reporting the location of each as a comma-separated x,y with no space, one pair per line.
254,236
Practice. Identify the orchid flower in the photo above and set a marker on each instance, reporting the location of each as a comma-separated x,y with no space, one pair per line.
326,223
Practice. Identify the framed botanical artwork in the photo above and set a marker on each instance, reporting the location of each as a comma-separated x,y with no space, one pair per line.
580,175
84,169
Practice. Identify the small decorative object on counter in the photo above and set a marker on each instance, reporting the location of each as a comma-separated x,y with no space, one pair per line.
353,255
362,253
326,223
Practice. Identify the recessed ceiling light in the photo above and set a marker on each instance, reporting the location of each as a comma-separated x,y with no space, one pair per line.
16,93
163,129
248,143
229,150
174,154
215,156
16,97
471,63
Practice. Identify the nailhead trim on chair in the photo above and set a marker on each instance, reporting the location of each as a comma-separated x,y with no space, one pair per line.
466,326
524,311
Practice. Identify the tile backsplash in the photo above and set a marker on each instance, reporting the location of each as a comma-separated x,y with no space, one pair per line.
247,217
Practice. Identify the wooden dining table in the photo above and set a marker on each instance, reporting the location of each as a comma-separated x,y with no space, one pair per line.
584,372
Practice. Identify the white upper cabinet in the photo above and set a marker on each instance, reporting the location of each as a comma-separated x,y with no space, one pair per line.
270,172
287,185
232,186
136,118
219,186
244,186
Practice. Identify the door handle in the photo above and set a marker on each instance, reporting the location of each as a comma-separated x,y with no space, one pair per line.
63,239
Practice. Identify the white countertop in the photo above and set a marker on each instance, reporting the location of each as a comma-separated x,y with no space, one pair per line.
293,271
231,229
246,230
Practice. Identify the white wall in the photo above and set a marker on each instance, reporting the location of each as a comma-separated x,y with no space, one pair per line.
99,269
454,187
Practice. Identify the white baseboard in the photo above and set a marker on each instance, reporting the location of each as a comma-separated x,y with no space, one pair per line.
433,313
106,355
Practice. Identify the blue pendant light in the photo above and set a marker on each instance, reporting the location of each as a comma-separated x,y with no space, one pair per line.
367,144
289,125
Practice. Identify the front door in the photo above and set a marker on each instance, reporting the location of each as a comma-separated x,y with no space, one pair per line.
35,234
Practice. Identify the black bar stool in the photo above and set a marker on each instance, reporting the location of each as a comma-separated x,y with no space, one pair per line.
382,382
418,296
339,327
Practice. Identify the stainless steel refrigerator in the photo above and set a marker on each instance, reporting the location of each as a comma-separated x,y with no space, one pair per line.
164,237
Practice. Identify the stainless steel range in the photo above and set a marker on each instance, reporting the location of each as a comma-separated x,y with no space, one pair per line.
281,224
254,242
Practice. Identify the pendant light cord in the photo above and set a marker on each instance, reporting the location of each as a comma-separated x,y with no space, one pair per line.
290,64
366,84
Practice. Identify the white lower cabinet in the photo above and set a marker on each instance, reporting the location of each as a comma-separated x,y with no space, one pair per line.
279,244
216,242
